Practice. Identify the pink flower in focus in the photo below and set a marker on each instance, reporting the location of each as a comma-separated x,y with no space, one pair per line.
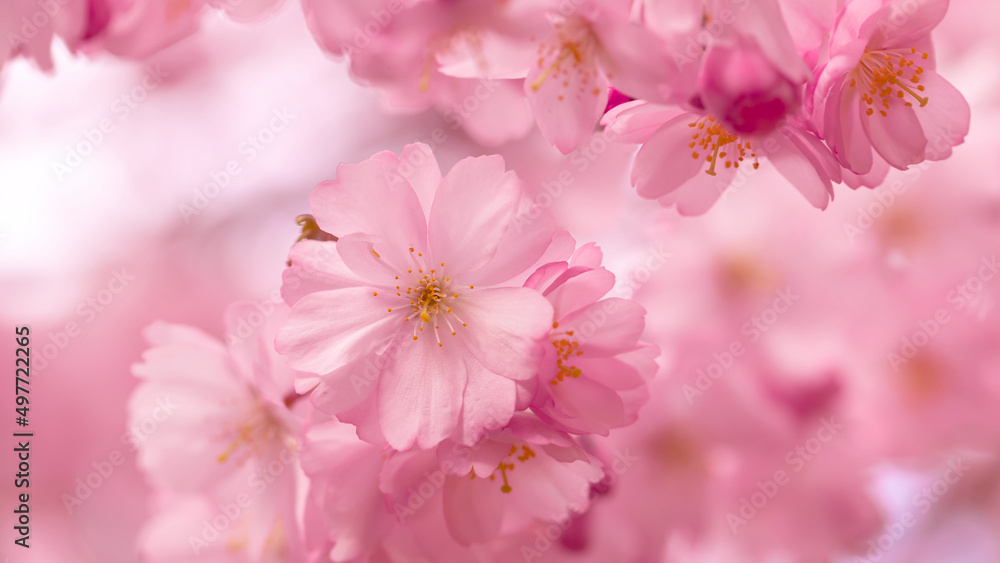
526,473
880,91
688,159
594,376
414,316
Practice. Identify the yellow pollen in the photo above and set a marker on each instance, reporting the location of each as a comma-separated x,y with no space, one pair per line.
711,137
565,349
507,464
891,76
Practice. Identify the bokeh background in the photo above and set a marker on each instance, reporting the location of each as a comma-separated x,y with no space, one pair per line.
132,232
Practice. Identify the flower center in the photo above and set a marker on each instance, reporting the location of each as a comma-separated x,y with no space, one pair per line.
255,435
431,296
566,348
711,138
508,464
572,52
889,76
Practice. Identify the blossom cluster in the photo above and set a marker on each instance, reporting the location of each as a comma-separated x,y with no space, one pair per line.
472,354
826,92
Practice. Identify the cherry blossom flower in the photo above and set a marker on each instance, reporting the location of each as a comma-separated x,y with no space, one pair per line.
419,322
225,433
587,50
594,376
688,159
880,89
526,473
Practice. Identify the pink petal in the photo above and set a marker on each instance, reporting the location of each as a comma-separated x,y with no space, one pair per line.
664,163
357,203
504,328
897,136
316,266
945,118
606,327
473,508
330,329
345,388
900,23
487,404
420,168
700,193
530,236
585,406
358,253
636,121
845,130
492,112
568,97
795,165
471,211
420,394
579,290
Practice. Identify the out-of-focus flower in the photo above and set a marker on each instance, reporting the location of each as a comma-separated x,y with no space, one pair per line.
418,313
226,434
587,49
880,89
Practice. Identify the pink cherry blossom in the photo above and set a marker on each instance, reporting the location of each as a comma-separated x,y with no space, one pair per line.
587,50
594,376
224,432
689,159
418,316
880,89
526,473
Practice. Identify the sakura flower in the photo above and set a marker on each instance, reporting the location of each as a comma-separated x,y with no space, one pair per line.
224,432
587,50
688,159
414,317
594,376
880,89
526,473
464,58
